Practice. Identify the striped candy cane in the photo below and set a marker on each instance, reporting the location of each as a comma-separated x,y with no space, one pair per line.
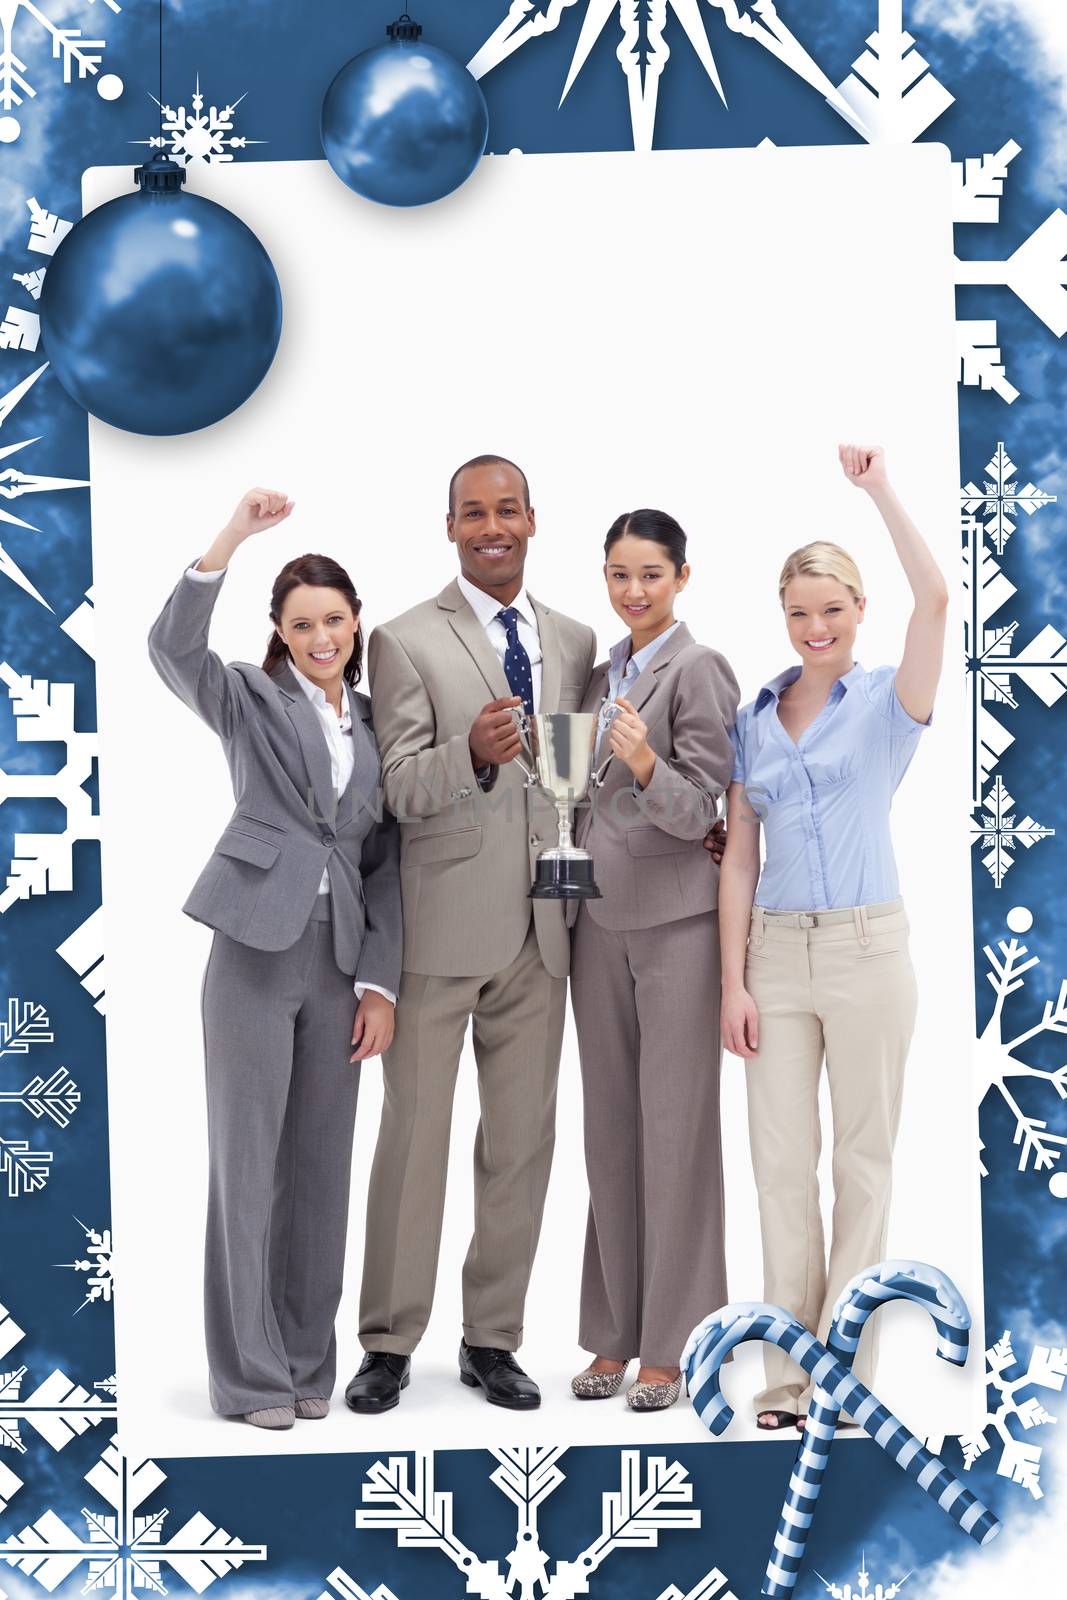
713,1338
891,1280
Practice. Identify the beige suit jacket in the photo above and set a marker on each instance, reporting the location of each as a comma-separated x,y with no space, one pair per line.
647,845
466,854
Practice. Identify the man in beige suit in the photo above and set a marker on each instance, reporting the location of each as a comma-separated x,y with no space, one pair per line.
476,948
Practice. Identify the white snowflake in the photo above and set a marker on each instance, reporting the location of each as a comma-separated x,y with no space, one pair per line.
25,1171
124,1554
98,1262
56,1096
1034,272
14,483
999,831
188,135
997,1060
978,184
643,53
20,329
978,188
978,357
81,625
341,1585
77,54
994,661
1000,499
57,1410
44,713
26,1024
651,1498
897,97
1006,1400
892,93
83,950
863,1590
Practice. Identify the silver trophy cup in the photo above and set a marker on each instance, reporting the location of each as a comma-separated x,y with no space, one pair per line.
562,747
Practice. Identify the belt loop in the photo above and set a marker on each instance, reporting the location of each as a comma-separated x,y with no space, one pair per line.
859,917
757,915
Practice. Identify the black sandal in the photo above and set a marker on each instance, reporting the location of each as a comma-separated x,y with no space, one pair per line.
782,1419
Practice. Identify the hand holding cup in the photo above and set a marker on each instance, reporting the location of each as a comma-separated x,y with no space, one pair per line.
494,737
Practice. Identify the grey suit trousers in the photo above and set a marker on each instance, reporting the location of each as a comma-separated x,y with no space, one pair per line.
517,1019
281,1101
646,1006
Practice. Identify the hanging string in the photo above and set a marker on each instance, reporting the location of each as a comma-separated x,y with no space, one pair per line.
161,69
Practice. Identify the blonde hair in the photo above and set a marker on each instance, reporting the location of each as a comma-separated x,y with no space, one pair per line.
821,559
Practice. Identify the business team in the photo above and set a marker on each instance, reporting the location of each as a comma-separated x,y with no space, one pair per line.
341,932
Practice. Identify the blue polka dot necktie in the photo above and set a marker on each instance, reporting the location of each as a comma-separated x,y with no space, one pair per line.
517,667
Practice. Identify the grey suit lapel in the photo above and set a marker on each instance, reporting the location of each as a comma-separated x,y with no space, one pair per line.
596,689
305,723
551,666
469,631
640,690
362,784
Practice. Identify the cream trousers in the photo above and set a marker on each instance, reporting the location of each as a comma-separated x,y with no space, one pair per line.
837,985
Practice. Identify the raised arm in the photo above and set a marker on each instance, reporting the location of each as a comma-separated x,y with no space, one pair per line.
920,665
178,640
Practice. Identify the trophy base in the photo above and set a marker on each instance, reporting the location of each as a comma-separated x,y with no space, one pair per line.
564,876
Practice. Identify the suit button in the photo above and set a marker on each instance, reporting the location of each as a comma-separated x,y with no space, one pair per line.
328,838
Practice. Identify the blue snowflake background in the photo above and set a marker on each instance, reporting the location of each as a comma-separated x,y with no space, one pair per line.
988,54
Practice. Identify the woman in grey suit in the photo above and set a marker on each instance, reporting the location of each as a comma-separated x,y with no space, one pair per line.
645,978
303,893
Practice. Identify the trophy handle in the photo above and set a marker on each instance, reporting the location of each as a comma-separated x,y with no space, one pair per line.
608,711
522,723
596,779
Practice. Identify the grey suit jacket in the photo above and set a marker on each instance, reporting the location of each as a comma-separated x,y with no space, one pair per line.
259,886
466,854
648,856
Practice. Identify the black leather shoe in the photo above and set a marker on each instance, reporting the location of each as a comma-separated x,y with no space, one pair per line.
377,1384
499,1375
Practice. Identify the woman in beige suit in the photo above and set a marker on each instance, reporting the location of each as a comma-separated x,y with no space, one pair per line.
645,978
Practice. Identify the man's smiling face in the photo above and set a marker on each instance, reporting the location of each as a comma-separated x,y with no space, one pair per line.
490,524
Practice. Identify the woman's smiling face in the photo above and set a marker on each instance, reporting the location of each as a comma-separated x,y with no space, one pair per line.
319,630
822,617
642,582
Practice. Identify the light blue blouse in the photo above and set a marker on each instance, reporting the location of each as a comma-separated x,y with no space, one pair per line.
624,670
824,801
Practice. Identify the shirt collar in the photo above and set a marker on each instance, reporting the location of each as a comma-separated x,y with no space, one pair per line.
317,695
485,607
619,653
771,691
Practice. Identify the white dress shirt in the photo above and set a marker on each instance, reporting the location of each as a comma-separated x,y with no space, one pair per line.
337,731
485,608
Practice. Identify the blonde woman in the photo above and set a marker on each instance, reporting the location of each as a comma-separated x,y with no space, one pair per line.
815,962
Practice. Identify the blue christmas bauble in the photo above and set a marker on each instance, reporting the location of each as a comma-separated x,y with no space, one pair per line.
161,311
404,123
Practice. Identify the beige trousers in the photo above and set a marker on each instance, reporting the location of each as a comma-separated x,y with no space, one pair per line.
837,985
517,1019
